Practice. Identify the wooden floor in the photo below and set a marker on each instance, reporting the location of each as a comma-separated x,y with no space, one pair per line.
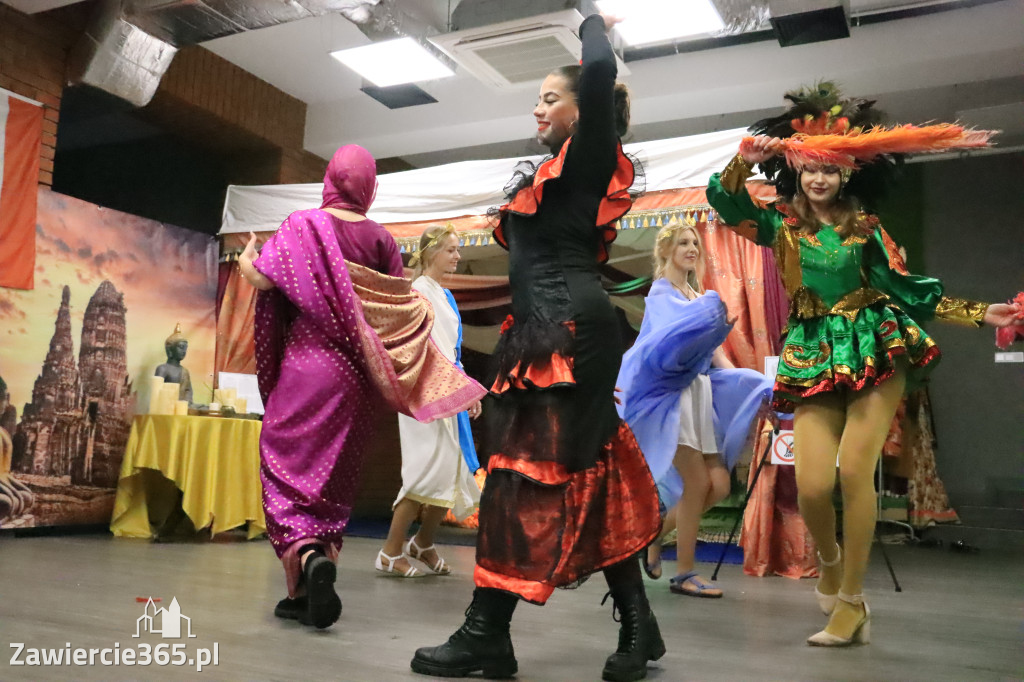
958,618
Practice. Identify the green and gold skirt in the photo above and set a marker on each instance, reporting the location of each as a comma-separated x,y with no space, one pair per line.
831,353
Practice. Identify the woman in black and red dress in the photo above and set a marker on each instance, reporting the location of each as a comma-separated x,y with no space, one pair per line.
568,491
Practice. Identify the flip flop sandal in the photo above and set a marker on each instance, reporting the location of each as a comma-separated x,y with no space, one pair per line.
692,578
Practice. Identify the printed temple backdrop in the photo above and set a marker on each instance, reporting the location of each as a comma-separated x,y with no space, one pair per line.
77,351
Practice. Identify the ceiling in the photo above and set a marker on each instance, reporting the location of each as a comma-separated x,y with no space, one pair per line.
966,62
923,67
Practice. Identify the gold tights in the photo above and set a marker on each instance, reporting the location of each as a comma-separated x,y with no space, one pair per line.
855,426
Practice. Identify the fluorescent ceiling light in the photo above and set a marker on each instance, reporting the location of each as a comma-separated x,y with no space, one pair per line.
652,21
393,62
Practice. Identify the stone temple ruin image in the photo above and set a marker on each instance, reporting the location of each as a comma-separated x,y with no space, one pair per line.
71,437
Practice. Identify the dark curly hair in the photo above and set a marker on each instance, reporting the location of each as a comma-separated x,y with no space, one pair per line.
572,73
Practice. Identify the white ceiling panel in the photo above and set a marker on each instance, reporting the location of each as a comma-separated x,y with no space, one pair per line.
928,52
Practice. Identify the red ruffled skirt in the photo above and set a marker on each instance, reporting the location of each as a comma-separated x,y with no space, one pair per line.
546,522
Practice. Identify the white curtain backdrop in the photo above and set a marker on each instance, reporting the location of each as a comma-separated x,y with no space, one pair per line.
471,187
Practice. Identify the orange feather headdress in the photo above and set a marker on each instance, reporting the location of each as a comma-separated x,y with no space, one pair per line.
822,127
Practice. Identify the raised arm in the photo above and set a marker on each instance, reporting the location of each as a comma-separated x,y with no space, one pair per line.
248,270
727,192
592,153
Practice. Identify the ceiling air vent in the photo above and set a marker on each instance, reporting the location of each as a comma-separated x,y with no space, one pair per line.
514,53
799,22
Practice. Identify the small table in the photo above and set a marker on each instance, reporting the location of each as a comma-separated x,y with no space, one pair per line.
213,461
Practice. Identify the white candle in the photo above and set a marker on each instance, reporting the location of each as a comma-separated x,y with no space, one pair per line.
168,396
181,407
156,384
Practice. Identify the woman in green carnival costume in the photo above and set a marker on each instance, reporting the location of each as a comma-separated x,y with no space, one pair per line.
854,341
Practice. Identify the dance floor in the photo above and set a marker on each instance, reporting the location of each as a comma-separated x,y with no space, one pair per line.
958,618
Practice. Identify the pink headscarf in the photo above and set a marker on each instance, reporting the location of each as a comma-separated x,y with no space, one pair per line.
350,182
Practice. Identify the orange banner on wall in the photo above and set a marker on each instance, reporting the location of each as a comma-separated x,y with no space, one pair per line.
21,129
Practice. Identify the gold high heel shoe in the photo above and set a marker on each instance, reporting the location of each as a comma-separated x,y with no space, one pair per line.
827,602
861,633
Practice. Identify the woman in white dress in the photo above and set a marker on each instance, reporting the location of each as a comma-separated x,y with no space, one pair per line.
436,476
689,407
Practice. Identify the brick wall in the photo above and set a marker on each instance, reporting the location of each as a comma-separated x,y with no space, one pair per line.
33,51
208,82
298,165
201,97
215,103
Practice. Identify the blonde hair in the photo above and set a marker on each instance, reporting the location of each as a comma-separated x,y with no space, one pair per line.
665,242
431,241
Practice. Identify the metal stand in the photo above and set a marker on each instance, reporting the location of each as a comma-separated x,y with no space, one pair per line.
750,491
892,522
765,456
879,520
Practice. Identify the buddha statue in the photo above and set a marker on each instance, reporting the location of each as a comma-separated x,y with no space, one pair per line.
172,371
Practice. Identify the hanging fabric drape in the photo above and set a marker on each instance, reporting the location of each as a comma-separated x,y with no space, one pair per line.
235,325
775,539
735,269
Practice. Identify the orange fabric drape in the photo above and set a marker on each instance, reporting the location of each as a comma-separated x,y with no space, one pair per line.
735,269
775,539
20,141
236,350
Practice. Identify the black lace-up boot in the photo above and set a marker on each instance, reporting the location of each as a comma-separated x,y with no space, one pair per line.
639,637
483,643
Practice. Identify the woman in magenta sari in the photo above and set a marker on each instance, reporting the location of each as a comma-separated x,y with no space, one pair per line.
338,331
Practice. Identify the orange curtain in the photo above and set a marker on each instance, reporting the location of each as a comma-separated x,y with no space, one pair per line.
775,539
20,134
236,350
735,269
236,310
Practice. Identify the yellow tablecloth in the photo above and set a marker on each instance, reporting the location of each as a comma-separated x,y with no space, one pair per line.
213,461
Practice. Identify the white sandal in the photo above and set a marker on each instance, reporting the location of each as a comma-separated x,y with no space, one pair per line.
861,633
414,551
827,602
389,570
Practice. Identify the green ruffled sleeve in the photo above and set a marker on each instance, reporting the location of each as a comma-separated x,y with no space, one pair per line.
727,194
922,298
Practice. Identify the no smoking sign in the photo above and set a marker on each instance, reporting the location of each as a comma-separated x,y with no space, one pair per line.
782,448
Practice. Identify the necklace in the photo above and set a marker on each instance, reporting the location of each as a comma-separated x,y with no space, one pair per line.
683,291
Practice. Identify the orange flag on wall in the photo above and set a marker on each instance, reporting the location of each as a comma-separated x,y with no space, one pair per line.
21,130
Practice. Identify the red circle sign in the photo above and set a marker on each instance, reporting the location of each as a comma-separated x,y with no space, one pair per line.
782,448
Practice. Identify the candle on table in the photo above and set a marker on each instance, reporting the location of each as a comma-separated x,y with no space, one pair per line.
168,396
156,384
